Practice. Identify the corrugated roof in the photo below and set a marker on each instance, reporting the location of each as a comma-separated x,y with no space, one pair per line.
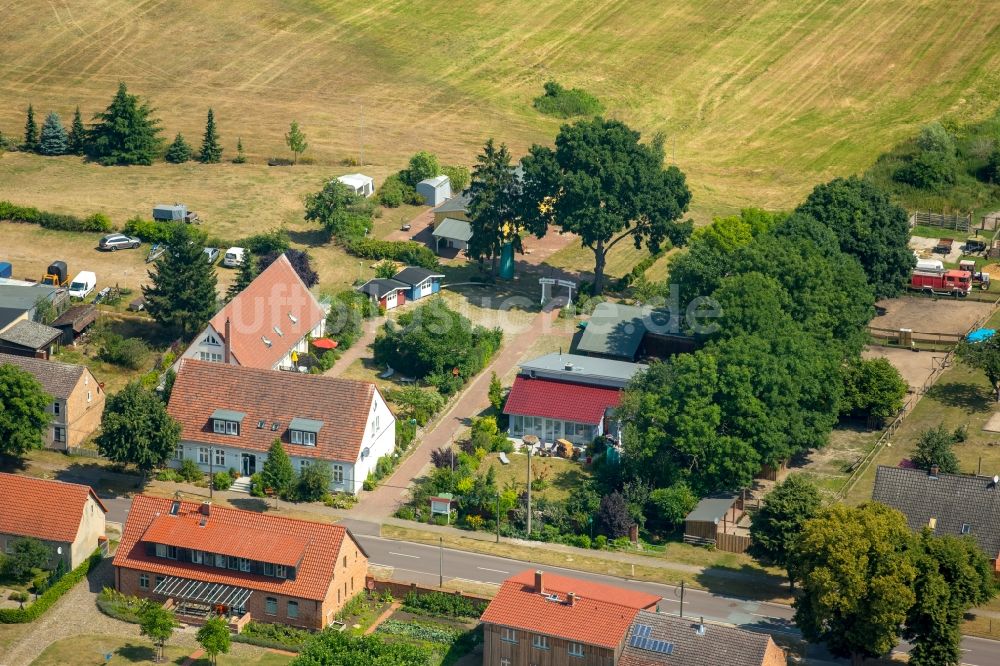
271,396
457,204
453,229
30,334
566,401
600,615
314,573
716,645
58,379
952,500
78,316
276,298
711,509
41,508
436,181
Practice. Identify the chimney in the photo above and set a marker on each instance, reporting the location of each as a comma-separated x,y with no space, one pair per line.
571,598
700,627
934,471
539,587
205,508
226,347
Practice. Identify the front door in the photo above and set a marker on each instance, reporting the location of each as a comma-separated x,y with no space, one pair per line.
249,464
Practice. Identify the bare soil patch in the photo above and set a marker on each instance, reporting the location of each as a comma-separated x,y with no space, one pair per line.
928,315
914,366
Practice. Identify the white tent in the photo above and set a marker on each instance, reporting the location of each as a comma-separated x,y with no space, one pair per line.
359,183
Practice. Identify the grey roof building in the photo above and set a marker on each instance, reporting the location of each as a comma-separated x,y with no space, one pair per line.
29,338
614,330
58,379
458,204
582,369
658,638
948,504
378,288
18,298
414,275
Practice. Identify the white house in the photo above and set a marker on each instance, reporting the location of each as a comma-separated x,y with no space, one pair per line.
267,325
359,183
230,416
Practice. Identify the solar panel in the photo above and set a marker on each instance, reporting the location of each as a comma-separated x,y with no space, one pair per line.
643,630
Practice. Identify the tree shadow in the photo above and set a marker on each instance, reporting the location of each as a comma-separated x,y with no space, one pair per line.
106,482
746,582
963,395
136,653
309,237
569,479
13,464
255,504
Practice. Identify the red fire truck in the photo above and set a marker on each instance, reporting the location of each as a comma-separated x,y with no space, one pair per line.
948,283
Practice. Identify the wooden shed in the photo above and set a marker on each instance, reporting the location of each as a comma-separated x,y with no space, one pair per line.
75,321
720,521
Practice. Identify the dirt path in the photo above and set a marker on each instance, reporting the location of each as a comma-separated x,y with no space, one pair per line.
360,349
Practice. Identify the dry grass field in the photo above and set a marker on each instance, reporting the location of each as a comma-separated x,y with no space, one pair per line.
758,100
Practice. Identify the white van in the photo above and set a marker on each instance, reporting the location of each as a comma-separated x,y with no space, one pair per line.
234,257
82,284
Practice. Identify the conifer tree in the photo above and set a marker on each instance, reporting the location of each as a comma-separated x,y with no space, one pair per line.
30,130
182,294
53,138
245,274
179,151
278,473
125,133
240,158
211,151
77,134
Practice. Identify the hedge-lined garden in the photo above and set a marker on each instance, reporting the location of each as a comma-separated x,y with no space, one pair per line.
51,595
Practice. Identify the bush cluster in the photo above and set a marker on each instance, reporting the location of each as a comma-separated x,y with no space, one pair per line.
30,215
124,352
279,636
406,252
439,603
51,595
151,231
567,102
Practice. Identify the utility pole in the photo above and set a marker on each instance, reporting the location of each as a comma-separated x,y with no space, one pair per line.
362,135
529,492
682,598
211,474
440,561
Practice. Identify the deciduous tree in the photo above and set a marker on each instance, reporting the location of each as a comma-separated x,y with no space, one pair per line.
779,521
214,638
934,448
872,387
343,213
24,556
54,140
856,574
601,183
157,623
296,140
136,429
125,133
182,293
614,516
423,165
211,150
300,261
24,413
983,356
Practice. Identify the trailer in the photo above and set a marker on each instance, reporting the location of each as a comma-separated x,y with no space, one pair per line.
944,245
949,283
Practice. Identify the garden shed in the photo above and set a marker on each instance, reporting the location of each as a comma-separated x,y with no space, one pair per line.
720,521
359,183
435,191
75,321
454,234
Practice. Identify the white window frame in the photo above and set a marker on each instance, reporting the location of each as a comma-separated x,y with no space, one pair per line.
966,528
212,340
161,550
220,457
203,455
232,428
540,642
179,452
196,556
280,571
56,406
575,650
338,473
220,561
295,436
58,434
244,564
508,635
268,569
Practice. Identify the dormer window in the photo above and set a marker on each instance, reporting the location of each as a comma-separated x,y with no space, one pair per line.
212,340
304,438
227,422
267,342
303,431
292,318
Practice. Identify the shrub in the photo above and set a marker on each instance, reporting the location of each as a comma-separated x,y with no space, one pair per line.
114,604
475,522
459,177
273,241
340,500
928,170
151,231
600,542
273,635
410,253
567,102
57,221
406,512
124,352
51,595
168,474
424,632
222,480
314,482
406,432
440,603
257,485
189,471
416,403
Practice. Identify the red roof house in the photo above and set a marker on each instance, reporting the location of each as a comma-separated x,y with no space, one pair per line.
204,559
68,517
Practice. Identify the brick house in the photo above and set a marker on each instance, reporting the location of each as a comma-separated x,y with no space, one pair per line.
203,559
77,398
542,619
267,325
68,517
230,415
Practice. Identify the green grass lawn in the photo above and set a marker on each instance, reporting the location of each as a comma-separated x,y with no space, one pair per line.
561,475
139,652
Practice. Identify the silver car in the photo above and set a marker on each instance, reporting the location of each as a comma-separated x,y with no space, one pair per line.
212,254
113,242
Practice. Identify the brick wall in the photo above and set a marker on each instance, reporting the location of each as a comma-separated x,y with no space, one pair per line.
400,590
774,656
348,579
82,417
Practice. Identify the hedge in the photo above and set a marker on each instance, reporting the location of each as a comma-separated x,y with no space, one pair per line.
58,221
51,595
407,252
439,603
267,643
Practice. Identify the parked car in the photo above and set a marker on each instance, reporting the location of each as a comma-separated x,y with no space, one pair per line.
113,242
234,257
212,253
82,284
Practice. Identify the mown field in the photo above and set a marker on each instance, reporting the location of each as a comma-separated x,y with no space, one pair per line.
758,100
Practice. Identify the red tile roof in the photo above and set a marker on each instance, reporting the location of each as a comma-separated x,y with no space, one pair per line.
600,616
343,405
560,400
217,537
276,298
43,509
314,574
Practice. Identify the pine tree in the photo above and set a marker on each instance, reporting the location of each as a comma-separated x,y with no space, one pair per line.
77,134
53,138
179,151
30,130
125,133
296,141
211,151
240,156
278,473
182,294
245,274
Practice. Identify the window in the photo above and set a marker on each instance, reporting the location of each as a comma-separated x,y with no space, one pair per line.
966,528
196,556
158,580
179,452
345,561
90,396
303,464
211,340
244,564
210,356
232,428
170,552
338,473
225,427
220,457
268,569
279,571
220,561
9,546
59,434
508,635
233,563
270,606
575,649
56,407
540,642
143,581
203,455
302,437
293,609
504,661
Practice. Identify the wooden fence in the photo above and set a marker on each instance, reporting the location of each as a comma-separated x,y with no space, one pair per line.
954,222
912,339
732,543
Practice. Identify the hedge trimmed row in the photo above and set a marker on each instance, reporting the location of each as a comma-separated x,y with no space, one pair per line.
267,643
51,595
407,252
58,221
